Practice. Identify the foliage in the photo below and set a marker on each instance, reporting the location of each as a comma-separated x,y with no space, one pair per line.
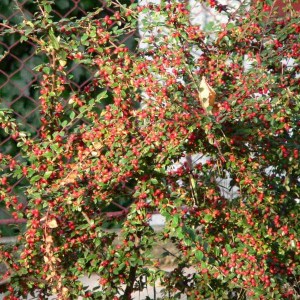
243,247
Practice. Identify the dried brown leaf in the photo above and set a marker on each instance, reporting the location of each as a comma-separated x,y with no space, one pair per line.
207,95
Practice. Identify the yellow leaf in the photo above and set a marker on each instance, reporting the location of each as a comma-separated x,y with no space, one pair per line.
97,145
71,177
49,239
65,291
52,224
207,95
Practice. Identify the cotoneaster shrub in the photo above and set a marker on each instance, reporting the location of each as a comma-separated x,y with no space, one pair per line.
90,155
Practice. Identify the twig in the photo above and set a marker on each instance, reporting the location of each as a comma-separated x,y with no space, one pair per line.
172,254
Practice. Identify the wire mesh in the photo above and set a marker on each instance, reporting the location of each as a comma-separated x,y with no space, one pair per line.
18,80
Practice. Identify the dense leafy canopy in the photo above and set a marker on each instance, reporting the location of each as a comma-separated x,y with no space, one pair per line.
159,147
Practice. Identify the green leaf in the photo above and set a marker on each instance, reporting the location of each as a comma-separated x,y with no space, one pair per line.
102,95
175,220
154,181
64,123
199,255
230,25
53,39
209,26
23,38
47,174
208,218
35,178
48,8
228,248
72,115
217,251
84,37
46,70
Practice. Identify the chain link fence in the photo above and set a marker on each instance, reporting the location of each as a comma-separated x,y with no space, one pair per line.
19,81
